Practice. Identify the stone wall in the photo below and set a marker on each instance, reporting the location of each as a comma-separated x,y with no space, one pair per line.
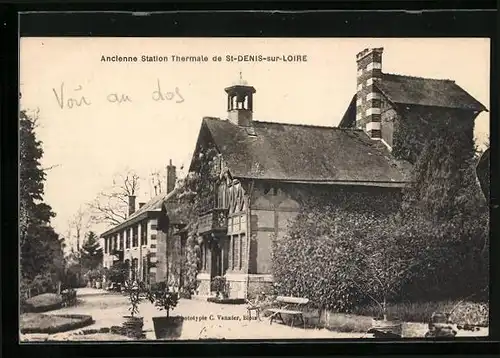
272,209
203,284
237,284
258,284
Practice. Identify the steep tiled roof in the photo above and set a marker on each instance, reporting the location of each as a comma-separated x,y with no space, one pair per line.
408,90
426,92
289,152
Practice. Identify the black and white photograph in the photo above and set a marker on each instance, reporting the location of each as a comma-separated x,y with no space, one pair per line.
253,188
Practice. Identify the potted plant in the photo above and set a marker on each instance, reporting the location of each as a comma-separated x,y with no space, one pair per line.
166,327
219,286
133,324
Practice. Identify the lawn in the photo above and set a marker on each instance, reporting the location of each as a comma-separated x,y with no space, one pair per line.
46,323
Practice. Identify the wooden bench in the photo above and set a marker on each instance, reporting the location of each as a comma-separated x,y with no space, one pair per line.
285,304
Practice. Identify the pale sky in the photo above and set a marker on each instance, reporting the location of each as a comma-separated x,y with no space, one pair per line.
88,144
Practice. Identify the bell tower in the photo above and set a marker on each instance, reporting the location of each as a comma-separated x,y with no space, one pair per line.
240,103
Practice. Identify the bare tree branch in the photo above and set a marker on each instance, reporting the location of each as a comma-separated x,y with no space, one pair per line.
111,205
79,225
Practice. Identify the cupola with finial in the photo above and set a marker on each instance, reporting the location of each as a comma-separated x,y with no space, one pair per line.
240,102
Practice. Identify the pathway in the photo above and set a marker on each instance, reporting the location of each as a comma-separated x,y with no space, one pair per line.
202,320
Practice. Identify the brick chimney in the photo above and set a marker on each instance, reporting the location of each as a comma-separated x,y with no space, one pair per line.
171,177
131,205
369,65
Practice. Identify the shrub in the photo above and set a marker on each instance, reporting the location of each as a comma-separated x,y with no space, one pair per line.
135,292
218,284
342,258
44,302
327,247
43,323
471,313
118,272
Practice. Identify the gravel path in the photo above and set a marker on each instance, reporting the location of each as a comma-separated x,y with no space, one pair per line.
202,320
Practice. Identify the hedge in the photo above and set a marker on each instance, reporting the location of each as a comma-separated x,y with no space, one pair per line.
341,259
43,303
44,323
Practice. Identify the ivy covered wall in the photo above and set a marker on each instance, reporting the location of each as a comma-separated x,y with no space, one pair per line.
414,125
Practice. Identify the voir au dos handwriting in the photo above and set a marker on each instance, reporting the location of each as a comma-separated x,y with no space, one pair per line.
78,96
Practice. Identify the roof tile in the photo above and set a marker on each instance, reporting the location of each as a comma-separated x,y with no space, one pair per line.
294,152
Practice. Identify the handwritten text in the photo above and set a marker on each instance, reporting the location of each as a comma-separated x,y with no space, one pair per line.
72,98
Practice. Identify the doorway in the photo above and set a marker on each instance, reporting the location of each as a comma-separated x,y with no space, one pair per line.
216,261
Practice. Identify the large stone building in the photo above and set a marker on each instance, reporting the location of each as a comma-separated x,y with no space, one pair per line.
139,241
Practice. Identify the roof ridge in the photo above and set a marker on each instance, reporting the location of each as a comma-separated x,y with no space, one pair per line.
308,125
290,124
418,77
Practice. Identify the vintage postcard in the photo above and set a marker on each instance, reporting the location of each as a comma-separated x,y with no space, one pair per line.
253,188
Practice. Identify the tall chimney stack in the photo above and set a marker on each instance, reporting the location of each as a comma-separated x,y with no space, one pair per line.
171,177
131,205
369,65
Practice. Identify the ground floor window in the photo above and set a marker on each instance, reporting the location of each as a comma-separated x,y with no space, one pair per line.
237,251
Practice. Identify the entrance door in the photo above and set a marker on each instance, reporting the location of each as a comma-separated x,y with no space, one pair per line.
216,258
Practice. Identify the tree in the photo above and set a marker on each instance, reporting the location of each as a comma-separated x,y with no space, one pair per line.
447,207
111,205
40,246
483,172
383,260
78,226
158,182
91,252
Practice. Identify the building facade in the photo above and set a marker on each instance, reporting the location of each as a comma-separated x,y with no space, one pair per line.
268,170
400,110
141,241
